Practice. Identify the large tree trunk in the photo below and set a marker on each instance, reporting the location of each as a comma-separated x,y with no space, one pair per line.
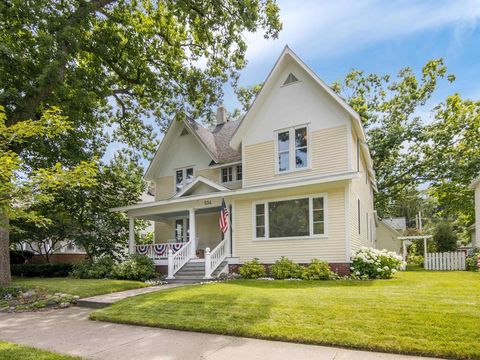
5,277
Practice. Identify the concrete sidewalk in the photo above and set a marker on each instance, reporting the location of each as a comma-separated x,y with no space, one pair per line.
100,301
69,331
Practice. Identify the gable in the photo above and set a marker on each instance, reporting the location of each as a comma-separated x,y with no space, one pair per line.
177,150
296,103
201,185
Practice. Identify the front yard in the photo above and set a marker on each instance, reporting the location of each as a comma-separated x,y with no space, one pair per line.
428,313
9,351
80,287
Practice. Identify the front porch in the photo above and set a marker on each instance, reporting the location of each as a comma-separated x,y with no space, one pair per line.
182,237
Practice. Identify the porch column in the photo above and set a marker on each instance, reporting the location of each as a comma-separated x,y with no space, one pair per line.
131,235
192,229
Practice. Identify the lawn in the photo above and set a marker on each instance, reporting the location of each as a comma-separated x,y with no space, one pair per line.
425,313
80,287
9,351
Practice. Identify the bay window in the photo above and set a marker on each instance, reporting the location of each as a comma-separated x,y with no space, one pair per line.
290,218
292,149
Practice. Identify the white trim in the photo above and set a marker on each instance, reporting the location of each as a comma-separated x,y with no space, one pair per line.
217,166
292,149
349,146
310,217
184,175
250,190
234,174
347,223
196,181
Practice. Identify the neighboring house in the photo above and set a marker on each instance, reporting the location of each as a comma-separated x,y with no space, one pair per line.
60,252
474,228
388,231
295,173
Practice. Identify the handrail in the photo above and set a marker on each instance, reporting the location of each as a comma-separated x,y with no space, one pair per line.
214,258
180,258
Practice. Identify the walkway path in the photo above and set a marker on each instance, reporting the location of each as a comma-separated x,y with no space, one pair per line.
69,331
100,301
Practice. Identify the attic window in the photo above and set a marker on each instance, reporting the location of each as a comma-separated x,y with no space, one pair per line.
184,132
290,79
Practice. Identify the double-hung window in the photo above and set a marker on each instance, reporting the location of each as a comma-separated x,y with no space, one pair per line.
231,173
290,218
183,177
292,149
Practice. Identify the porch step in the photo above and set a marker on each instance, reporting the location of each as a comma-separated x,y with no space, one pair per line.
194,272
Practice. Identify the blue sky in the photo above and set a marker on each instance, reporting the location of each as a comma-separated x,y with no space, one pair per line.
379,36
333,37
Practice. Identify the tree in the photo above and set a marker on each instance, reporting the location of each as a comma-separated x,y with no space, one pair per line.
109,64
82,215
444,237
395,133
20,185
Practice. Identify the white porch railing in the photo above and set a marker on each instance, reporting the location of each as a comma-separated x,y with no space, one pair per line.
158,251
180,258
214,258
445,261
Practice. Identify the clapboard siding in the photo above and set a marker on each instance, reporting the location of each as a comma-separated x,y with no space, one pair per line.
331,249
329,154
164,188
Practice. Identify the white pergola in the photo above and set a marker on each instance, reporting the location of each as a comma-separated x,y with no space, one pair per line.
407,240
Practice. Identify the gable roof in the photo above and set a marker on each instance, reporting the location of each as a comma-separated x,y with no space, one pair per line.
286,55
200,180
216,142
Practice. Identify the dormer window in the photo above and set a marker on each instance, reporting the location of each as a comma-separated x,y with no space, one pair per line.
183,177
292,149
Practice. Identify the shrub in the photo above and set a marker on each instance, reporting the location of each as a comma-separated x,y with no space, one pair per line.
252,269
286,269
415,259
374,263
41,270
445,237
472,262
99,268
137,267
317,270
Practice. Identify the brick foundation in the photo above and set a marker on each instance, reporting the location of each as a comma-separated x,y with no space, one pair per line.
341,269
59,258
161,269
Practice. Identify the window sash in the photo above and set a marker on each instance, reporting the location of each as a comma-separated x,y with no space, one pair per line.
183,177
293,153
316,217
239,173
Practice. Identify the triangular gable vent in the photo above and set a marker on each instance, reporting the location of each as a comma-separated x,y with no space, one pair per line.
184,132
290,79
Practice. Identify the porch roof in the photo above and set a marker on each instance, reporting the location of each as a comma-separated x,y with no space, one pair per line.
244,191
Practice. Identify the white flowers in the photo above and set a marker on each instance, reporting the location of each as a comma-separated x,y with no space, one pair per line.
375,263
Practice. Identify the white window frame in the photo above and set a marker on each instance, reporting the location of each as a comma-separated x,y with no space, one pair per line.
310,214
184,170
234,174
292,148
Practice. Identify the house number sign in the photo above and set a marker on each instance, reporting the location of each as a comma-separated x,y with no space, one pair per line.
207,202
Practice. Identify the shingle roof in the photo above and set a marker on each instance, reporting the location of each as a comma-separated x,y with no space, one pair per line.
217,140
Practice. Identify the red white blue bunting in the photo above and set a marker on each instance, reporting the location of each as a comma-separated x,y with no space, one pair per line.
160,249
142,249
175,247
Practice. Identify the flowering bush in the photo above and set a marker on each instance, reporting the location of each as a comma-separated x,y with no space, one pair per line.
473,261
318,270
375,264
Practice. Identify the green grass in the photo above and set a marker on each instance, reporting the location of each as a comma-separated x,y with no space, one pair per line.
9,351
80,287
425,313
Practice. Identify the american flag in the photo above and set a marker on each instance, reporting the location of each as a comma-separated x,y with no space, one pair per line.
223,220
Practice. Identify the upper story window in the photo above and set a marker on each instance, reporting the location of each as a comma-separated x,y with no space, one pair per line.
231,173
183,177
292,149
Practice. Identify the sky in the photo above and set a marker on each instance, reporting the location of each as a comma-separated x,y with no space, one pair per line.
377,36
333,37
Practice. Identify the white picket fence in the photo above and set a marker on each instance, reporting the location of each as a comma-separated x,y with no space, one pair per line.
445,261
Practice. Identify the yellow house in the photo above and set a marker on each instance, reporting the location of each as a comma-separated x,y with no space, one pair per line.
295,174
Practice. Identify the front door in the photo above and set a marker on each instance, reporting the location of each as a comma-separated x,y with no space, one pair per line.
181,229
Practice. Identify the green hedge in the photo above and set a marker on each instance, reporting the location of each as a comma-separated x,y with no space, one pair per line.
41,270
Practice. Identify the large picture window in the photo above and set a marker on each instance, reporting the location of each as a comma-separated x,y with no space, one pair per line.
292,149
289,218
